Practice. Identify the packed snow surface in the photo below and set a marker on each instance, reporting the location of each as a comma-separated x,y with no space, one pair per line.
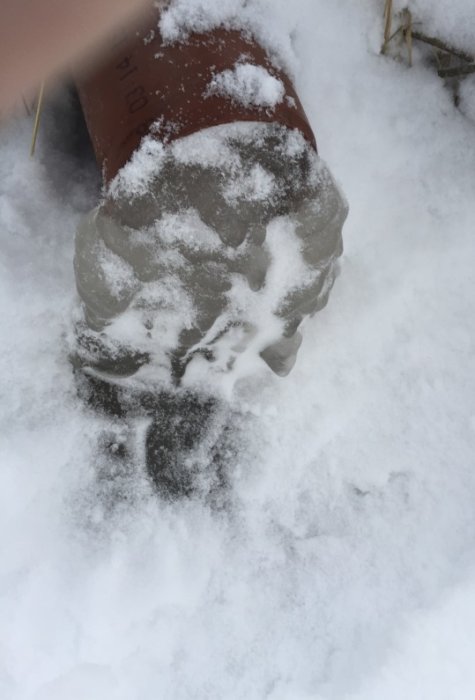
343,566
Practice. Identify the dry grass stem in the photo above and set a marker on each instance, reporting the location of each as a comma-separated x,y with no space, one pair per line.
388,15
26,105
456,71
36,126
439,44
408,33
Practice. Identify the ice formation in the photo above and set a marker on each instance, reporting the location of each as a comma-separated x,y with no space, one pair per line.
217,245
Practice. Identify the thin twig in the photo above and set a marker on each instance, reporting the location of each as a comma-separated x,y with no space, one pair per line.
36,126
439,44
408,35
394,34
455,72
26,105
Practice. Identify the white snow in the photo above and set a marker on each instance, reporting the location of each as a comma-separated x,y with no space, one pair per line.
134,177
256,185
343,566
249,85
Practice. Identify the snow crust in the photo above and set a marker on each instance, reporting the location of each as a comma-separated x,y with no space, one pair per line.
343,566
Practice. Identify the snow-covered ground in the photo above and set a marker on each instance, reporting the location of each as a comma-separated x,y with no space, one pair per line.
344,563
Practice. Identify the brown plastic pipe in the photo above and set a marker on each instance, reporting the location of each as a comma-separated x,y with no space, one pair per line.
144,81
